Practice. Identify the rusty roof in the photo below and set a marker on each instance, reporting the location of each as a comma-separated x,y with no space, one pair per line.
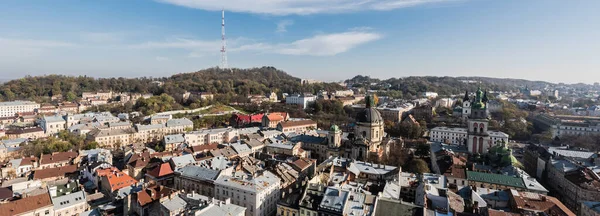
162,170
56,157
54,172
26,204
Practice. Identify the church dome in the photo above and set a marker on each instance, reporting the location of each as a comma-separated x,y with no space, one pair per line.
334,128
369,115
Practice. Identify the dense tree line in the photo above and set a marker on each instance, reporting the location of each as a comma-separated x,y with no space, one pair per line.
230,83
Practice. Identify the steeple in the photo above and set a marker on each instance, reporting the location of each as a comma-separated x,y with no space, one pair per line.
466,98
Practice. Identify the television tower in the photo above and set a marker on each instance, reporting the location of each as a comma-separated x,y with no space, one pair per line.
223,42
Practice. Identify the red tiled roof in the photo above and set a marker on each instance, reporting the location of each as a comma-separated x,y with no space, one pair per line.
540,203
26,204
57,157
162,170
275,117
152,193
302,163
492,212
54,172
249,118
116,178
29,161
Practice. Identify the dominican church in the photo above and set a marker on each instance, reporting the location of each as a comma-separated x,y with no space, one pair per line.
365,142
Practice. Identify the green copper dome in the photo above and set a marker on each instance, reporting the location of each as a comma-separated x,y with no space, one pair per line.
478,103
334,128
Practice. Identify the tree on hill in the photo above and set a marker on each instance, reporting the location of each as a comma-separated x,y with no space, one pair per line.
418,166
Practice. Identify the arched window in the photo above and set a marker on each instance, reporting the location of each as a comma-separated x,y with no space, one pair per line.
474,144
481,127
364,133
332,139
475,127
480,145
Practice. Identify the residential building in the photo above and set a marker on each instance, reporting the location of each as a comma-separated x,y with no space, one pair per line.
298,126
361,171
96,155
58,159
26,133
458,136
161,175
112,138
393,114
49,175
10,108
34,205
113,179
573,182
11,148
526,203
211,136
172,142
97,95
303,100
196,179
149,133
568,125
257,193
283,148
270,120
178,125
70,204
19,167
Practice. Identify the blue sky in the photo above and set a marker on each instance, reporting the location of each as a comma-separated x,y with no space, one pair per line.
553,40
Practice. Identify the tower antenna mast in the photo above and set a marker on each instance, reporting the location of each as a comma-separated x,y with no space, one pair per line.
223,42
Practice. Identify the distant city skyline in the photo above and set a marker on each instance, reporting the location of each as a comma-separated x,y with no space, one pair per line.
546,40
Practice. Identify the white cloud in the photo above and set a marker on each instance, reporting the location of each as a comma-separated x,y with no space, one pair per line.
33,43
162,58
102,37
301,7
282,25
327,44
12,47
318,45
361,28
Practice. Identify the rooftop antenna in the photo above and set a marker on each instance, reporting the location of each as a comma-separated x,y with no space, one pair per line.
223,42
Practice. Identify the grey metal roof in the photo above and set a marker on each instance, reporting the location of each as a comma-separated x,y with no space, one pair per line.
241,148
198,172
183,160
249,183
571,153
179,122
334,199
174,138
221,210
174,204
17,103
141,127
54,118
358,167
68,200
